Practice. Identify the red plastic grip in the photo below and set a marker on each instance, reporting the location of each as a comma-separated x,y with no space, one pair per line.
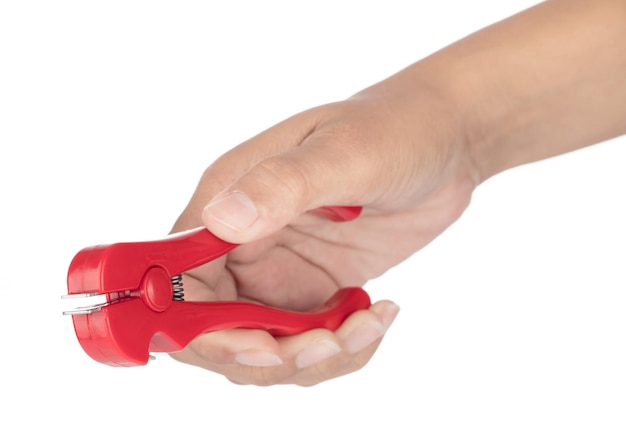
338,213
124,334
141,317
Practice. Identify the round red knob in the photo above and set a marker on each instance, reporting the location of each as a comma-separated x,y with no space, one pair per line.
156,289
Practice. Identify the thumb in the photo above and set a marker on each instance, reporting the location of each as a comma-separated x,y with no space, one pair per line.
279,188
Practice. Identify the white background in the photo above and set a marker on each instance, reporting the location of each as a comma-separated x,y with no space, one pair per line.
513,321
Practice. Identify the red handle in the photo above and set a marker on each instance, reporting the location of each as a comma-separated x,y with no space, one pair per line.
338,213
120,266
124,334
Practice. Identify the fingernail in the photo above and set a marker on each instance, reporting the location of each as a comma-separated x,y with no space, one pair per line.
257,358
389,315
364,336
316,352
235,211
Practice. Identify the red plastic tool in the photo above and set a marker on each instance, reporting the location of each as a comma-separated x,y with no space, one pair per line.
144,312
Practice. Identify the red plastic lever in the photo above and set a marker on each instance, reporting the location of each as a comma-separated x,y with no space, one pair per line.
123,334
140,315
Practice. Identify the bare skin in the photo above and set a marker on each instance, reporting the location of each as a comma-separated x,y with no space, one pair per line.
410,150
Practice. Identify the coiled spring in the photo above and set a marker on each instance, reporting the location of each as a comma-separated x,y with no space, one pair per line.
177,286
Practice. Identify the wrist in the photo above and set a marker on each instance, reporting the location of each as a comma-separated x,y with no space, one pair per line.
544,82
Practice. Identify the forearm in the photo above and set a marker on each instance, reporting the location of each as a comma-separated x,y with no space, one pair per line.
544,82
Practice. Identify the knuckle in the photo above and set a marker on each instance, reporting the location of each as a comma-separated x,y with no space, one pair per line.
312,376
256,376
282,176
359,361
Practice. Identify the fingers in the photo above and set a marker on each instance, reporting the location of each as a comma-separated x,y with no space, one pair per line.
255,357
239,160
270,194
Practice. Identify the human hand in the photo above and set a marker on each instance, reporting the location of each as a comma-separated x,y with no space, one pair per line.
392,149
410,150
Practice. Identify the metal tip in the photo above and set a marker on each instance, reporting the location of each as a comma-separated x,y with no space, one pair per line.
81,295
98,301
84,310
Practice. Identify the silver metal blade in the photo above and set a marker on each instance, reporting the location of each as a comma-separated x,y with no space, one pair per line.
81,295
84,310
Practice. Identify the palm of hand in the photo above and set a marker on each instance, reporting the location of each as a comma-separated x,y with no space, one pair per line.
410,191
303,264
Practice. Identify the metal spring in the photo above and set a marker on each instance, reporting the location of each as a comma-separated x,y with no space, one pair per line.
177,286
